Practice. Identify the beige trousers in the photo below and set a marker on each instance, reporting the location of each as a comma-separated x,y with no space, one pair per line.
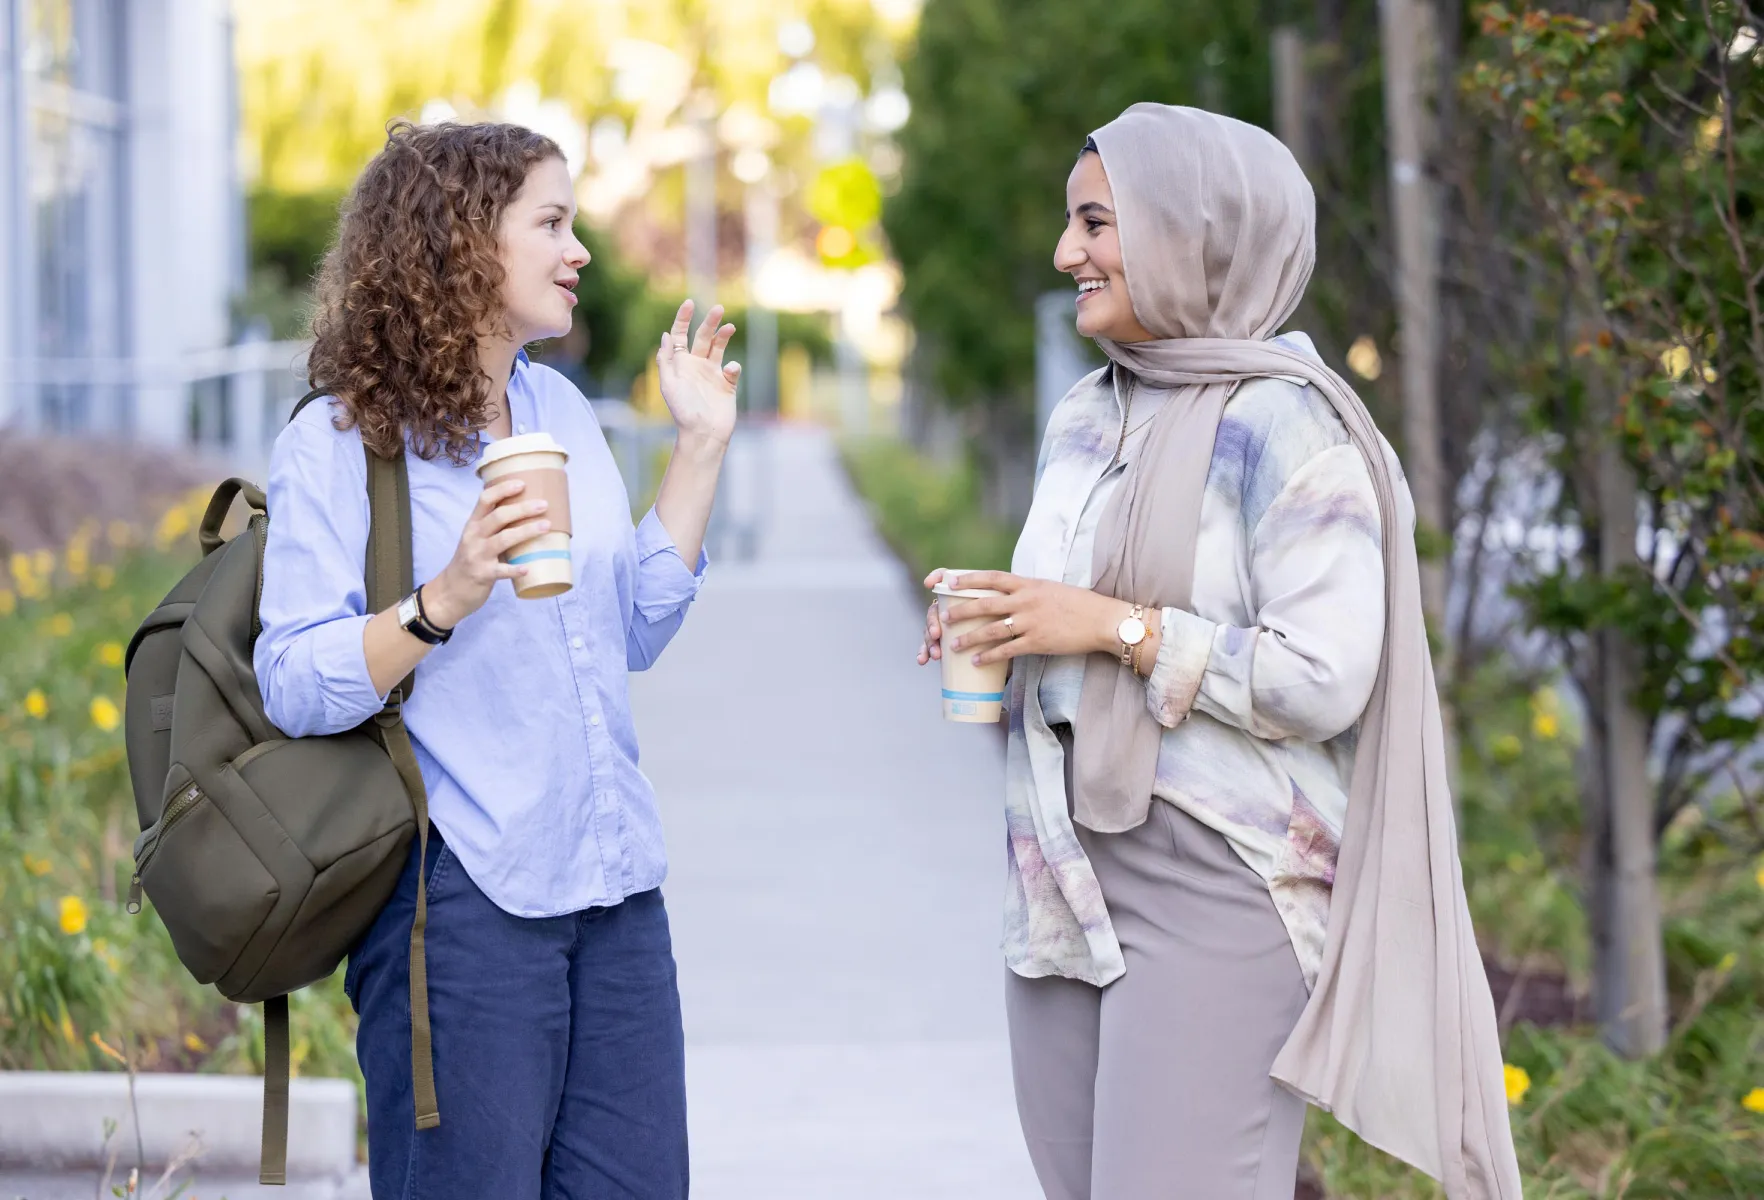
1156,1087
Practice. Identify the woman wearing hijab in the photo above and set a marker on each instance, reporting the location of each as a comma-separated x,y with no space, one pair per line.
1234,880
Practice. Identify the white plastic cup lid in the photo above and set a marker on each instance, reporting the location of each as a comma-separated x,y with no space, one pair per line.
525,443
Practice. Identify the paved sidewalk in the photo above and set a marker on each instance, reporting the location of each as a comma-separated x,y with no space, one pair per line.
836,882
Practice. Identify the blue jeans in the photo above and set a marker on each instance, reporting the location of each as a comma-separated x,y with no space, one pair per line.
560,1063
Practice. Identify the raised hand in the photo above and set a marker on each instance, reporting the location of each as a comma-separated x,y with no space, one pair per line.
698,386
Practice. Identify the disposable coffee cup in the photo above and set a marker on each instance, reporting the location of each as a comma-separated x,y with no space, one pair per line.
971,694
537,459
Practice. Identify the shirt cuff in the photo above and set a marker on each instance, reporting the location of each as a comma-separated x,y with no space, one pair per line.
339,663
1182,663
664,585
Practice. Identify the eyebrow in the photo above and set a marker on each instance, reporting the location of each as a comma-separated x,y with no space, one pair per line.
555,207
1091,208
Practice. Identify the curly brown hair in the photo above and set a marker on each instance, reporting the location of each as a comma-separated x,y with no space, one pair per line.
413,280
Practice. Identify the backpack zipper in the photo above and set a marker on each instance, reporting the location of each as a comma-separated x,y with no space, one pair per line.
181,804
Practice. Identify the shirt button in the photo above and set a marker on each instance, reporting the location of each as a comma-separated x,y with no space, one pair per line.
594,720
575,643
520,429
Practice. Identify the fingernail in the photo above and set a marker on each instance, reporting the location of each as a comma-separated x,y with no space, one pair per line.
544,526
975,660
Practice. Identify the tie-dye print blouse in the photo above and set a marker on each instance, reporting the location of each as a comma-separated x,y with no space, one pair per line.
1260,686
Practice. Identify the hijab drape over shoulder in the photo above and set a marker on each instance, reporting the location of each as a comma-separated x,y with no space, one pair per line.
1217,227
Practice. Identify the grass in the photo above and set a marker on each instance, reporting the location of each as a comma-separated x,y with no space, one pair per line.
1588,1125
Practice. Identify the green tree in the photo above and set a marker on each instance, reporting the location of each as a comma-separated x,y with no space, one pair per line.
1003,96
1640,143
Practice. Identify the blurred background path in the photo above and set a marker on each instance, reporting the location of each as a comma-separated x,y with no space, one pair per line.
835,879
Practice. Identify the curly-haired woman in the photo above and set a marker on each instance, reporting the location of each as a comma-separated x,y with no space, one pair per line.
558,1052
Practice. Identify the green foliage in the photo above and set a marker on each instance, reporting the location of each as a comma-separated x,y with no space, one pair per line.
84,985
1641,143
1003,96
290,231
930,514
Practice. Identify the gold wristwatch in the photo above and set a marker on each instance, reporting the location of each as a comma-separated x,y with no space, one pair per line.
1132,632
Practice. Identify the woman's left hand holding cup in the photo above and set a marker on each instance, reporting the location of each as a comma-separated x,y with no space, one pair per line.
1033,616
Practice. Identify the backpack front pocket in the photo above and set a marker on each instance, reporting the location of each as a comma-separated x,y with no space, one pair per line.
205,882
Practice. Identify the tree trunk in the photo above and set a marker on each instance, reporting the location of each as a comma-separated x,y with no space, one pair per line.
1411,62
1623,897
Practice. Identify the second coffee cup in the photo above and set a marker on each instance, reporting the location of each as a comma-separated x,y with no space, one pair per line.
538,460
971,694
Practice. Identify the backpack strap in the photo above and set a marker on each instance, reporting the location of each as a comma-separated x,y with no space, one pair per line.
389,580
208,533
274,1166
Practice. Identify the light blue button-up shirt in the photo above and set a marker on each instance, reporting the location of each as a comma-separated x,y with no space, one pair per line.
522,721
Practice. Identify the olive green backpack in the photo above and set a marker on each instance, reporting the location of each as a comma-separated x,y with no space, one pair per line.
268,856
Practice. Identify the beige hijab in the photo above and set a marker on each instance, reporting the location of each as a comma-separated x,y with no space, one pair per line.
1399,1039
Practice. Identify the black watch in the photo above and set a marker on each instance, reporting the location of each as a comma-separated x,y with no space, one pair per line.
416,622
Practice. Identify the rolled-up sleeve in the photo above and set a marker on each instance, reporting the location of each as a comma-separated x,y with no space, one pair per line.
311,664
1307,667
665,589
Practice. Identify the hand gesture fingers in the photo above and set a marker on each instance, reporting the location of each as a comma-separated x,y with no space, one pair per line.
932,647
707,329
681,330
503,515
986,606
514,535
494,495
994,581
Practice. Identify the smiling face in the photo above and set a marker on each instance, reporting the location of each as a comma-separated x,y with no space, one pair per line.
1090,252
541,258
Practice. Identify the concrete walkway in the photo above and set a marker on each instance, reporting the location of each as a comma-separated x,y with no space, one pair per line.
836,880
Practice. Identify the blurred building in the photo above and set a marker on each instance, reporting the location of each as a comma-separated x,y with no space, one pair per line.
122,233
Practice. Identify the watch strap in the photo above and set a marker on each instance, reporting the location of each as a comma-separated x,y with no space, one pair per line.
1130,653
420,627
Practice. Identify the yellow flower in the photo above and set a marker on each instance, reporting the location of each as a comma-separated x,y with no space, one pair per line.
36,703
38,866
1545,726
172,526
120,533
1753,1100
111,654
1728,961
103,575
8,602
43,563
78,559
73,915
194,1044
1518,1082
20,564
67,1029
1761,876
107,1049
59,625
104,713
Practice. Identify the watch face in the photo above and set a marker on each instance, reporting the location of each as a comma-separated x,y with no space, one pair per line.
407,610
1131,631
